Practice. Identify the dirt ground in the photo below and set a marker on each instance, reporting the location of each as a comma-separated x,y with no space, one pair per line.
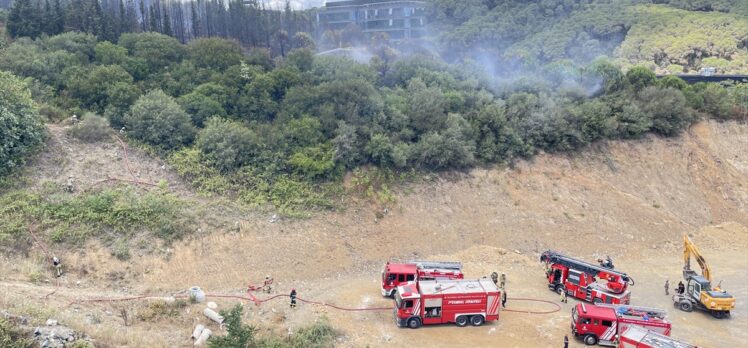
631,200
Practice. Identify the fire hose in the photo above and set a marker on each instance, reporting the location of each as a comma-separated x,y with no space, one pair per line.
347,309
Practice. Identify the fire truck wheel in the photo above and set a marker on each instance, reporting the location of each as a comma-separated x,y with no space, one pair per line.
719,314
560,289
686,306
476,320
590,340
414,323
461,321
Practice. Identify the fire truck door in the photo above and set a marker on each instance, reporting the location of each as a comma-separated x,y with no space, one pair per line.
432,313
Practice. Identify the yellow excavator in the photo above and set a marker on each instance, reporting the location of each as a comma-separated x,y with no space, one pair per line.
699,292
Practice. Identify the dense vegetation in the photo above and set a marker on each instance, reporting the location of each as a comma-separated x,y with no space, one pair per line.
671,35
239,335
276,130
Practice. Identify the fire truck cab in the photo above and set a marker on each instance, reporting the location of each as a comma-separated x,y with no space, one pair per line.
447,301
602,324
638,337
586,281
396,274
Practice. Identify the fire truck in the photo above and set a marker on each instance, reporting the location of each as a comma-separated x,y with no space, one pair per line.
579,279
441,301
603,323
395,274
638,337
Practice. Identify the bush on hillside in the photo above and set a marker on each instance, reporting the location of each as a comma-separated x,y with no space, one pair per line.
667,109
227,145
92,128
158,120
21,127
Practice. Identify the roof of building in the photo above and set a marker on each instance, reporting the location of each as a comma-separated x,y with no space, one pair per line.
457,286
363,2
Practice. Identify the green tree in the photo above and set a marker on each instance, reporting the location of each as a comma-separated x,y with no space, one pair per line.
214,53
667,109
24,19
156,50
21,127
93,87
717,102
158,120
238,335
200,107
639,78
228,145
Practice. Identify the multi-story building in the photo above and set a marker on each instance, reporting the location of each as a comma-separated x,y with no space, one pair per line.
399,19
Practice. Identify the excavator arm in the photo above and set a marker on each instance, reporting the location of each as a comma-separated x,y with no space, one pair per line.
690,249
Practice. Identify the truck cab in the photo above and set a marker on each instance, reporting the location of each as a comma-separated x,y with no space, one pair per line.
396,274
593,324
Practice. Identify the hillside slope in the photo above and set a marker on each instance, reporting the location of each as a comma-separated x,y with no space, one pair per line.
630,200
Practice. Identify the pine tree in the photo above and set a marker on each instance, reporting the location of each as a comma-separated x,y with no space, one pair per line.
59,19
195,20
153,19
167,23
143,16
24,20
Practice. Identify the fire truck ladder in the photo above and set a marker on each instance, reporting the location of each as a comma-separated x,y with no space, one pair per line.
579,265
651,311
445,265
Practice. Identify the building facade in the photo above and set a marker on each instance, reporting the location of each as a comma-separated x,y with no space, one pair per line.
399,19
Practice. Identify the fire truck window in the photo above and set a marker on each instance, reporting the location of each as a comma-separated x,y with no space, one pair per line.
391,277
584,321
607,323
433,312
409,304
411,277
401,277
595,322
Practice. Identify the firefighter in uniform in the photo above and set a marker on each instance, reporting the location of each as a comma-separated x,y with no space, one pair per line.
69,186
503,299
266,284
503,280
566,341
495,278
681,288
667,286
563,296
293,298
58,266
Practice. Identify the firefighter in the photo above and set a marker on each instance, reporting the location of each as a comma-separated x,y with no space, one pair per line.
495,278
566,341
503,299
69,185
74,120
667,286
681,288
563,296
503,280
293,298
57,265
266,284
122,131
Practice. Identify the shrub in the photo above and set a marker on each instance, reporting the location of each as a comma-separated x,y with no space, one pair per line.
666,108
214,53
155,310
313,162
21,127
158,120
12,337
227,145
640,77
201,107
317,335
92,128
238,335
717,102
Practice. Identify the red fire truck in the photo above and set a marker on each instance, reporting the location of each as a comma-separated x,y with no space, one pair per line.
395,274
579,279
638,337
603,323
458,301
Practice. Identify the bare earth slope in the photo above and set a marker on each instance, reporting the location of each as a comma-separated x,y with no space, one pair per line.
630,200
